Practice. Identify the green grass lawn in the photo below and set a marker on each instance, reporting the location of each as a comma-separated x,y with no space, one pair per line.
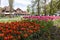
6,19
57,23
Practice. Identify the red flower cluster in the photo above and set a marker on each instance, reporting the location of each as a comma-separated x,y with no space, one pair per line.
16,30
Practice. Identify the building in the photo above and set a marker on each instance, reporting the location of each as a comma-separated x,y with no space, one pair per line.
18,12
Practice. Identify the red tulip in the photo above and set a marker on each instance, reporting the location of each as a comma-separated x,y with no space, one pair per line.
10,37
18,32
1,35
25,35
19,37
30,31
34,30
23,29
6,26
1,28
31,26
5,38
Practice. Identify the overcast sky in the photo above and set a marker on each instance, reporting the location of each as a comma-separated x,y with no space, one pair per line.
22,4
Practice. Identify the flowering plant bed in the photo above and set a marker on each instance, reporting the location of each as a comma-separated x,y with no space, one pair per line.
23,30
17,30
43,17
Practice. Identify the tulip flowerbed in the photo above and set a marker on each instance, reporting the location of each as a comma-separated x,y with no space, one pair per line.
43,17
17,30
23,30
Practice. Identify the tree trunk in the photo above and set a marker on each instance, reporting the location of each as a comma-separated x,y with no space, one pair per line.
32,10
59,5
38,5
45,8
51,8
11,5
